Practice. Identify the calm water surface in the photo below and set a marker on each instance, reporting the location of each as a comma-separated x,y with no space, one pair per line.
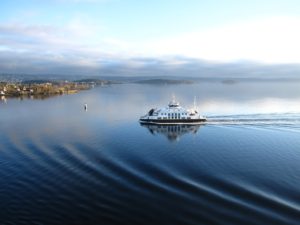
60,164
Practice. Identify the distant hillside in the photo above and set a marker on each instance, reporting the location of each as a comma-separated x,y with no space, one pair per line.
96,81
163,81
155,69
40,81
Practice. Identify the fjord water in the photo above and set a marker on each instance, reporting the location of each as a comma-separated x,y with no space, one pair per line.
60,164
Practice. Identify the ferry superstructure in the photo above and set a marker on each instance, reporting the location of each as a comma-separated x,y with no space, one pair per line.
172,114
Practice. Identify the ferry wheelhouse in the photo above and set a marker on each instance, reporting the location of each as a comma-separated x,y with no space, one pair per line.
172,114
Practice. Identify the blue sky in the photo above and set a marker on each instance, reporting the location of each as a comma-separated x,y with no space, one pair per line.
97,33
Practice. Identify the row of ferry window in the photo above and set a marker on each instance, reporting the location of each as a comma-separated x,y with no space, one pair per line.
171,114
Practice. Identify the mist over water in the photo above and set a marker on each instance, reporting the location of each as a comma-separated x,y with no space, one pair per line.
60,164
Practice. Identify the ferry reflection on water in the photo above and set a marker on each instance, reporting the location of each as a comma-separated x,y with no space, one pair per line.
172,132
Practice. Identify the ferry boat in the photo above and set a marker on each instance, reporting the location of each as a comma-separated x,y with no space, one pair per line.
172,114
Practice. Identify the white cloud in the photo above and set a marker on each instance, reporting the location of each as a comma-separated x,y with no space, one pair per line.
77,37
272,40
82,42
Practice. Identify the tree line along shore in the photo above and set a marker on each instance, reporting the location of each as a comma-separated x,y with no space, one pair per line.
9,89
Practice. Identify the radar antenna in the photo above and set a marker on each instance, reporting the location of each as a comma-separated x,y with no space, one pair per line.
173,98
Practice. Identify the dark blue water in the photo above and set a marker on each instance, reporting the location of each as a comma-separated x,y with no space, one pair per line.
60,164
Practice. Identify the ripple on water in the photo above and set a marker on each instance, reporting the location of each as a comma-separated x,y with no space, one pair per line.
147,180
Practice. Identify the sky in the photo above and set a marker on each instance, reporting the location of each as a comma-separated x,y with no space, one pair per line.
130,36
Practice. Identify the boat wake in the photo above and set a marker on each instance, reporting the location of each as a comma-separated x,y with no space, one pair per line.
287,119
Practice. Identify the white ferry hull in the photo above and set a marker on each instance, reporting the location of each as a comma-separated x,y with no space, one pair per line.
172,121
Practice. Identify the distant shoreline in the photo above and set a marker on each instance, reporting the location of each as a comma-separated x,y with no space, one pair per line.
47,88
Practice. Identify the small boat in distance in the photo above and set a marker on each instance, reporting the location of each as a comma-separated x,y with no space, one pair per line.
173,114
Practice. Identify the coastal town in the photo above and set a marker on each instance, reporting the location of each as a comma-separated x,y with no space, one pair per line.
40,88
